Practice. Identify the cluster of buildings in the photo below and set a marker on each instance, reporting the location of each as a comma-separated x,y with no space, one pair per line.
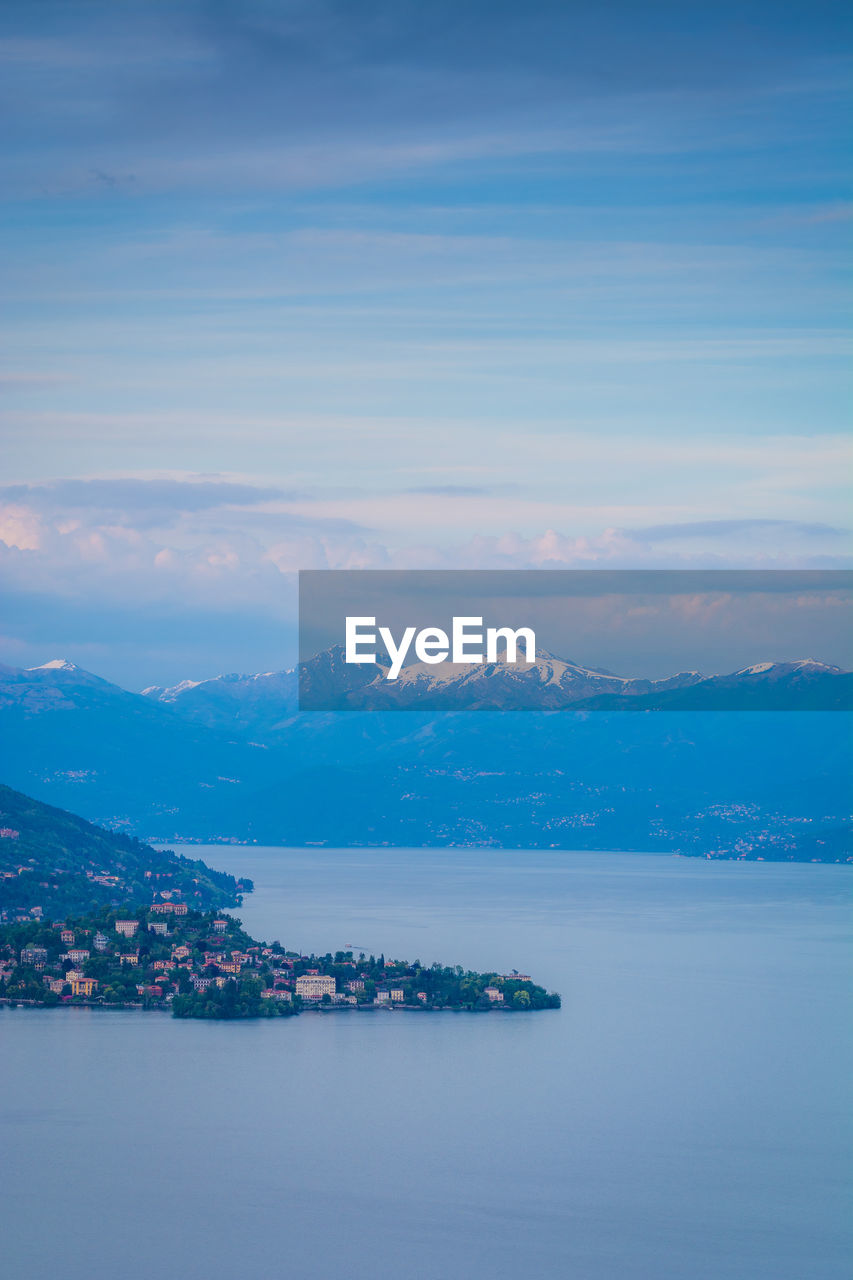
170,903
158,953
313,985
66,971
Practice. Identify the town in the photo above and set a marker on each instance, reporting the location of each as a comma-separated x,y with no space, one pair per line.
204,965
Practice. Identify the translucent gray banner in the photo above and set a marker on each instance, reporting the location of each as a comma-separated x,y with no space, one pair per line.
577,640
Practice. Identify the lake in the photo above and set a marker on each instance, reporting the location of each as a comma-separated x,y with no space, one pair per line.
685,1113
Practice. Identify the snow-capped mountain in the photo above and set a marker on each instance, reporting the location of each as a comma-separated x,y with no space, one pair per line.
76,740
255,706
548,683
56,684
262,706
56,664
804,668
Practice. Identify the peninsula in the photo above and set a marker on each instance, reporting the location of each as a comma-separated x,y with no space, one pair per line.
203,964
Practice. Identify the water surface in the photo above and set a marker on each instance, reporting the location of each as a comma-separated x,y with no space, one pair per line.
685,1113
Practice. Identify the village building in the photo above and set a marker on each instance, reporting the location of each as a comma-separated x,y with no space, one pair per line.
313,986
81,985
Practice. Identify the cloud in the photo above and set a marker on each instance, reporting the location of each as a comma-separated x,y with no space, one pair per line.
132,494
190,95
151,503
712,529
581,306
196,574
452,490
161,538
221,540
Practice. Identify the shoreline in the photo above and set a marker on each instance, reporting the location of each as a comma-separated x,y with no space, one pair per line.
226,842
8,1002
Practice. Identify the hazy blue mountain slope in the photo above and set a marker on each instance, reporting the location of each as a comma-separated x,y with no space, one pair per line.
80,742
759,784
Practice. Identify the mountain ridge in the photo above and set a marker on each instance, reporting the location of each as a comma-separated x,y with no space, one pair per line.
549,683
257,769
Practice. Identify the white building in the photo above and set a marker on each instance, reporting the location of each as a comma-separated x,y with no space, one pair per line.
313,986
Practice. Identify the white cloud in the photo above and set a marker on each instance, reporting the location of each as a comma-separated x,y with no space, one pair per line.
174,543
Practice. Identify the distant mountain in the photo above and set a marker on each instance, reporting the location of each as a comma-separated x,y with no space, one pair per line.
55,861
85,744
258,706
805,685
232,758
262,707
548,683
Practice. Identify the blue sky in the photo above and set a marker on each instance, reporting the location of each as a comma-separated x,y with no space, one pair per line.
407,284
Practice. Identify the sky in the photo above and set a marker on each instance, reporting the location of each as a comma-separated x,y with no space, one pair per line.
393,285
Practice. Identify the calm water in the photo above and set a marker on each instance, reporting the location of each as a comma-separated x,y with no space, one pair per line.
684,1114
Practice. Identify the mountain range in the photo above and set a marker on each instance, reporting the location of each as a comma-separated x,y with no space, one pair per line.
263,704
234,758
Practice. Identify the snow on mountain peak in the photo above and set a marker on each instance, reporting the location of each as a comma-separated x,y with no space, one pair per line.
55,664
797,664
169,695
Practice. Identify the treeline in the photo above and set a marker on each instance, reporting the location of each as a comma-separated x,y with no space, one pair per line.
240,998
